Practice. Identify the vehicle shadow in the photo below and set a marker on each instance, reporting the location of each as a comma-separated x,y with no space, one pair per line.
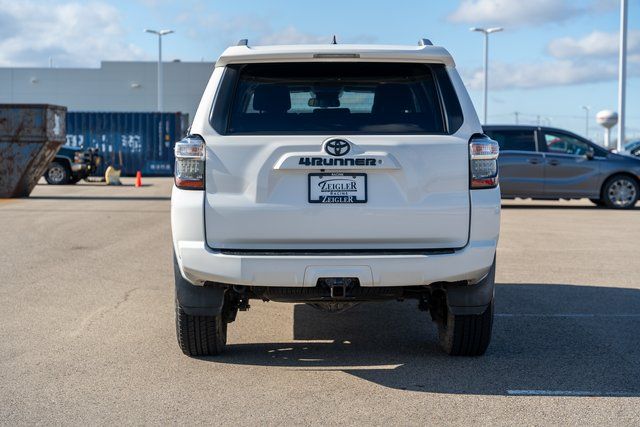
550,205
93,184
106,198
555,339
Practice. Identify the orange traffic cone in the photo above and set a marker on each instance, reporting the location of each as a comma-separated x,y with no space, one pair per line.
138,179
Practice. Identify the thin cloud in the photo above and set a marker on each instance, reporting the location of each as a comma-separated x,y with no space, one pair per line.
514,12
605,5
227,30
503,76
597,44
291,35
73,34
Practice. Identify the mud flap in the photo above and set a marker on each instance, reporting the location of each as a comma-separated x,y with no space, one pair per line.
197,300
472,299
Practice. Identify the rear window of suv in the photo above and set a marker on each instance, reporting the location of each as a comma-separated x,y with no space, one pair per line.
308,98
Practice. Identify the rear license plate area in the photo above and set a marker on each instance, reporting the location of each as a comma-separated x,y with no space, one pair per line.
337,187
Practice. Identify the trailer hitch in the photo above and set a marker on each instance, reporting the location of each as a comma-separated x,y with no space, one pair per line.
339,287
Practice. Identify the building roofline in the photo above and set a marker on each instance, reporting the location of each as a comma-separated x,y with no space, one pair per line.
106,62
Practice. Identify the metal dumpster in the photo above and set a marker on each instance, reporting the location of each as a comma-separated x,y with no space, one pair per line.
30,136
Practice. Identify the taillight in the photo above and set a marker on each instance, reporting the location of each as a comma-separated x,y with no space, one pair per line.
190,156
484,162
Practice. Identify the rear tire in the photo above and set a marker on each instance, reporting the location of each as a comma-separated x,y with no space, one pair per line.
620,192
200,335
57,174
466,335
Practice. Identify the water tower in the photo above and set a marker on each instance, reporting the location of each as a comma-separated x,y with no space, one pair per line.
607,119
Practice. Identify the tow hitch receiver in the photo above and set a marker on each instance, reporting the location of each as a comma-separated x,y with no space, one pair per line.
339,287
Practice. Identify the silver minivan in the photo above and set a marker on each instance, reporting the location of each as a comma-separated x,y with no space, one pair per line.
548,163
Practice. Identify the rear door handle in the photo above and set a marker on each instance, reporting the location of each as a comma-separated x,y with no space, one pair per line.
534,161
554,162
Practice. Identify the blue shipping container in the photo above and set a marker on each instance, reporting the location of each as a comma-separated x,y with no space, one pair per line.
130,141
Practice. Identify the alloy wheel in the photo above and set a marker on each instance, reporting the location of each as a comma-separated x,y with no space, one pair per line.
622,192
56,174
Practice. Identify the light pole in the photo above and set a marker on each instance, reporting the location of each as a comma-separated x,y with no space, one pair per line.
586,125
159,34
486,32
622,72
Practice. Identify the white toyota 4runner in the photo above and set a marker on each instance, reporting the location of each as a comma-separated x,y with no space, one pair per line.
333,175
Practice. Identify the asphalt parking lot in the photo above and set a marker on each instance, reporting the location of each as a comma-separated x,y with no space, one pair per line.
87,327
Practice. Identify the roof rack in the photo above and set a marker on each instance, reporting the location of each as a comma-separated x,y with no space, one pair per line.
243,42
424,42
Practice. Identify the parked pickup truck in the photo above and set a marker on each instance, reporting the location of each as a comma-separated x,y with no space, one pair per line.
71,165
333,175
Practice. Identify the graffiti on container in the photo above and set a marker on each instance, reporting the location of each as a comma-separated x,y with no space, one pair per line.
75,141
132,142
57,127
159,167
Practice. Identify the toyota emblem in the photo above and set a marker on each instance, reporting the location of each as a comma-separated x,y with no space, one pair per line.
337,147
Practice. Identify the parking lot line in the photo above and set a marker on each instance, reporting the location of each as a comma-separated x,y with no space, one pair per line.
570,315
578,393
350,368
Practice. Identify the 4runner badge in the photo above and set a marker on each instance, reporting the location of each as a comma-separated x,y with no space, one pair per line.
330,161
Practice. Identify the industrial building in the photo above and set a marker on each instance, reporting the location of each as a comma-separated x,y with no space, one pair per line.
117,86
98,99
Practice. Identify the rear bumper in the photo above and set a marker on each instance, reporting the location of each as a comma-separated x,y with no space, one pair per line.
198,263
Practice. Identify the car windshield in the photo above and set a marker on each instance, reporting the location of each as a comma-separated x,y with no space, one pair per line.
342,98
632,145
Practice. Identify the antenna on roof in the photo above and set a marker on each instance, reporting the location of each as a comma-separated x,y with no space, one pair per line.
424,42
243,42
334,41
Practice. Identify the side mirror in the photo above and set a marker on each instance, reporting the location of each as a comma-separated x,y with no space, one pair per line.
590,154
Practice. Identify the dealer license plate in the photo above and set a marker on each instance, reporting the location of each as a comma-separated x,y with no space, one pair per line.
337,188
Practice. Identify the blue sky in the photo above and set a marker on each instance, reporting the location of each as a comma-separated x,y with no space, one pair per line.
553,57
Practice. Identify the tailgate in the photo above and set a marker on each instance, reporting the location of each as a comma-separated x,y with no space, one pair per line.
402,192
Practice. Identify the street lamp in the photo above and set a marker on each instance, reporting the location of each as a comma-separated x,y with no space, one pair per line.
622,73
159,34
486,32
586,126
